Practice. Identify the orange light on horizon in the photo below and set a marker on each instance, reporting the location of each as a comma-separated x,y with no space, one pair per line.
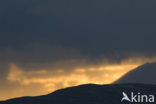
49,80
103,74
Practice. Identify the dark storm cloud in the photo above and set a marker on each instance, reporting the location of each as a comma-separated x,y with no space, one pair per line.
114,29
61,36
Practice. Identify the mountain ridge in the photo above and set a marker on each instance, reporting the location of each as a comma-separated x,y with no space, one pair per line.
142,74
95,93
86,94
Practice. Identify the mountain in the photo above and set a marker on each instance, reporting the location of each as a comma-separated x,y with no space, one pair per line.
143,74
88,94
128,86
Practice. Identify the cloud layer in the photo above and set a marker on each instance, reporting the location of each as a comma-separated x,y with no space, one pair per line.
63,35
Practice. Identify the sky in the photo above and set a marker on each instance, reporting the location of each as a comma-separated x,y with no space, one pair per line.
50,44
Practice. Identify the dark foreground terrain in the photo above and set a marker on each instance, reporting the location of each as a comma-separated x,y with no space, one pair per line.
142,74
90,94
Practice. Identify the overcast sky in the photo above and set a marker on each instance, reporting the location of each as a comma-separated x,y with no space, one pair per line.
45,34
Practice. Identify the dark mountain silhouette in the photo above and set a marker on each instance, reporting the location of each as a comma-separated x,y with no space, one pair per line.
87,94
143,74
100,94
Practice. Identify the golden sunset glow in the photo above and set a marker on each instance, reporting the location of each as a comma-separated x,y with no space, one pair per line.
43,81
49,45
100,75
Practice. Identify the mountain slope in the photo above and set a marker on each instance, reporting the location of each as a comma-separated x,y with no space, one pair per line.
99,94
143,74
87,94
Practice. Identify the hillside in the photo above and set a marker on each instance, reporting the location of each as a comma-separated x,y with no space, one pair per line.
87,94
143,74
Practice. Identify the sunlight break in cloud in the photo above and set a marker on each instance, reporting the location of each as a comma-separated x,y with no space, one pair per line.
44,81
100,74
